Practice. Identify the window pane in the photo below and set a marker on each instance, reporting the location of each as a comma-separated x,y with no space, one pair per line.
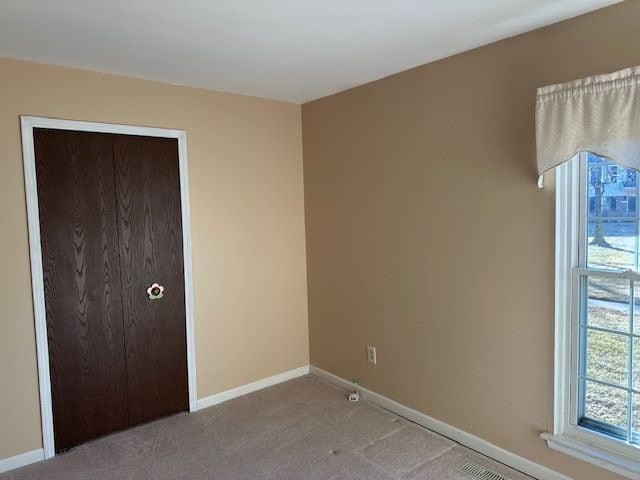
611,244
608,303
636,308
607,357
636,363
606,404
611,215
635,421
611,186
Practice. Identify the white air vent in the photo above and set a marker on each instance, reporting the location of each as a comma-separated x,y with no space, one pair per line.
480,472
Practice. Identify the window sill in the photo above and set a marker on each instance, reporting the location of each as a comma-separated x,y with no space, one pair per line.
613,462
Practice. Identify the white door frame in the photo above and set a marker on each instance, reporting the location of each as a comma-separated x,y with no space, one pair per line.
37,281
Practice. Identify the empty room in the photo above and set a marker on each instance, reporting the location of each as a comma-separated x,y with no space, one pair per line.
320,239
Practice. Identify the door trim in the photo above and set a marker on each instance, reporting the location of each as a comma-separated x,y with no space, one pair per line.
37,282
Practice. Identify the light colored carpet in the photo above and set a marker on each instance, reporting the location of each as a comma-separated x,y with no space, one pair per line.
302,429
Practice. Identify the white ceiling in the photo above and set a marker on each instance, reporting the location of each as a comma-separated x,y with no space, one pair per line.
295,50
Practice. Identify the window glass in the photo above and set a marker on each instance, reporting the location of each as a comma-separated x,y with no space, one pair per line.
606,405
608,303
609,320
612,225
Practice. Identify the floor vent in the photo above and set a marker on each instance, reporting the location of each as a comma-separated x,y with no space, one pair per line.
480,472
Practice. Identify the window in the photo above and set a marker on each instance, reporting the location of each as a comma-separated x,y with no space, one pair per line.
608,313
598,314
597,295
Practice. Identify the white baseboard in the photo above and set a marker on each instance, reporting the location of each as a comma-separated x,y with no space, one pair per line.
21,460
475,443
252,387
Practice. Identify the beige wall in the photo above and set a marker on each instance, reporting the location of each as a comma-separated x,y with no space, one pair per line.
427,235
247,214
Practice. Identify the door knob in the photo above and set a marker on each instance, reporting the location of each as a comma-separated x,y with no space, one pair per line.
155,291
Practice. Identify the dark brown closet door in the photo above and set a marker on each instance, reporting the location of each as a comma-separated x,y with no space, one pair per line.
150,233
79,239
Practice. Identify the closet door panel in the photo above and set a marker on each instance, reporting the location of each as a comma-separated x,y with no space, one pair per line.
79,239
150,233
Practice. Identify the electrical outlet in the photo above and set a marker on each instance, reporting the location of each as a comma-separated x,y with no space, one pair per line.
371,354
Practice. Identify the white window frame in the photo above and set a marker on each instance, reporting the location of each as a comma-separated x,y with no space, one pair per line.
567,436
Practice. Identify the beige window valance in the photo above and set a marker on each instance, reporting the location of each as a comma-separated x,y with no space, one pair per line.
599,114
